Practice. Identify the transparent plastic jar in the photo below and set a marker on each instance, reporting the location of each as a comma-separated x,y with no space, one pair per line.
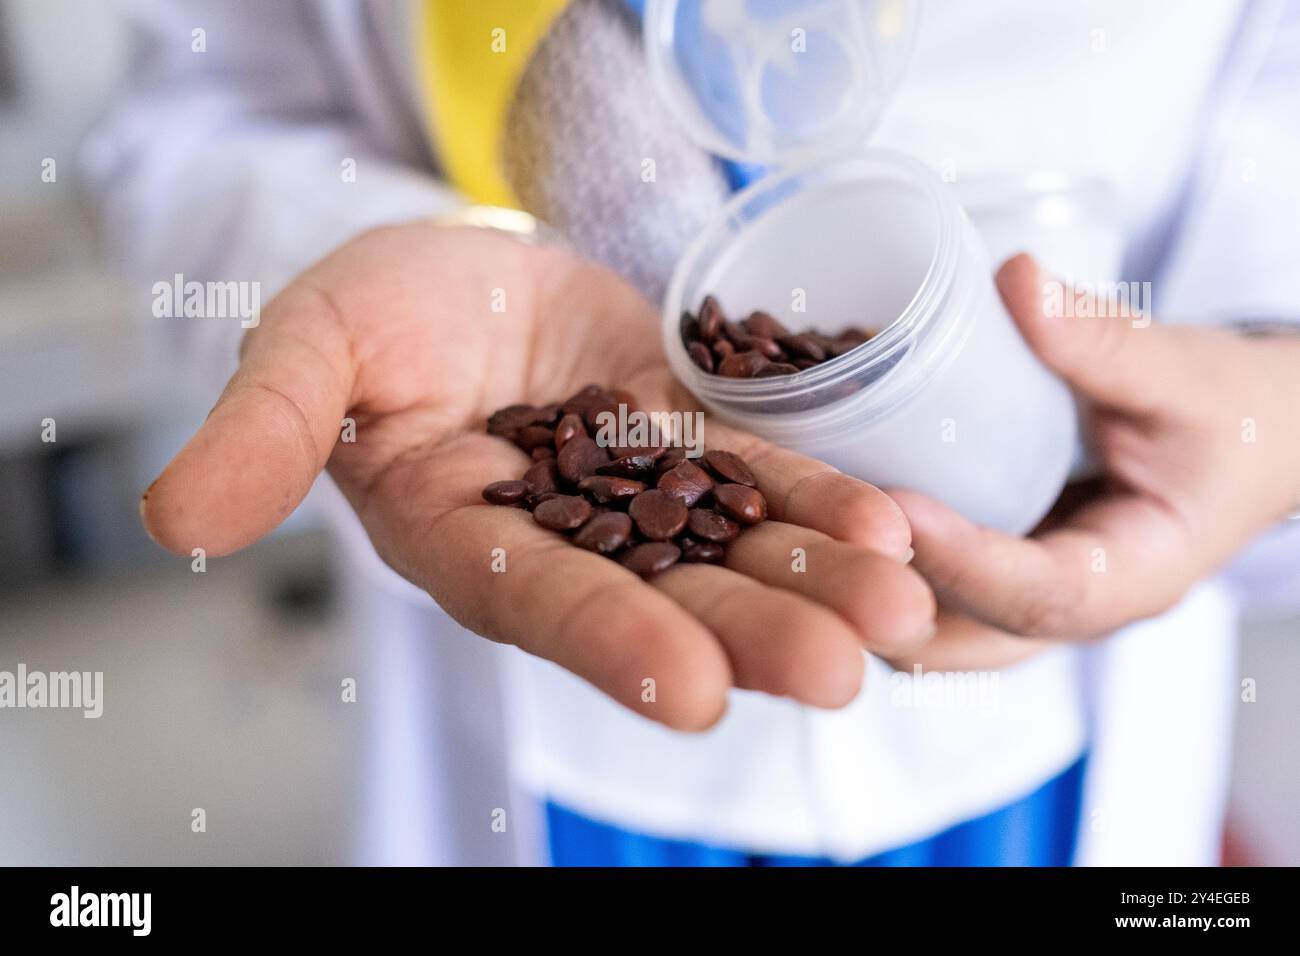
946,399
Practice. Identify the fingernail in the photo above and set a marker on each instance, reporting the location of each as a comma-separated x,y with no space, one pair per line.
144,519
908,555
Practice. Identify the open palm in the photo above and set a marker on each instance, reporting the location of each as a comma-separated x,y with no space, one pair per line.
417,333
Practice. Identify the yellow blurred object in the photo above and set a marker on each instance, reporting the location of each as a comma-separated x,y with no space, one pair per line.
471,54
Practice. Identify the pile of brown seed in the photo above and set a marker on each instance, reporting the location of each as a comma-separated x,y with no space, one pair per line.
647,508
759,346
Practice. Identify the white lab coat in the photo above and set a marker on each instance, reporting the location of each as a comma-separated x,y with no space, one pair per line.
226,164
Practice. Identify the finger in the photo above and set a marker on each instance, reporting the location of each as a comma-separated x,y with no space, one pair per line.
500,574
777,642
804,491
256,456
1112,355
887,604
1075,582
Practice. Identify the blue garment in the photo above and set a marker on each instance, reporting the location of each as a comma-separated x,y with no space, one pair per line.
1037,830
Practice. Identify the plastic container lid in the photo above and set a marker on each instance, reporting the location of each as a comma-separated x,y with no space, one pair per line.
777,82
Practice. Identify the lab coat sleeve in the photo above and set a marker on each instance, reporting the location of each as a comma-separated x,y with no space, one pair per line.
236,161
1237,255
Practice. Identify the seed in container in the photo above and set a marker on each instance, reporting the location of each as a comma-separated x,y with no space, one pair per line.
759,346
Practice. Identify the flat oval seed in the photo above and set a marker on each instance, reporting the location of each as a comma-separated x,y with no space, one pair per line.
630,466
701,552
700,355
670,459
764,324
802,347
563,512
775,369
767,347
570,427
742,365
604,533
711,526
729,466
507,421
607,489
650,558
687,482
579,458
709,324
740,503
543,477
534,436
506,492
658,515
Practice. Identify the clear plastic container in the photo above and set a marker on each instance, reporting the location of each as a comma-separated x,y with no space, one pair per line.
946,399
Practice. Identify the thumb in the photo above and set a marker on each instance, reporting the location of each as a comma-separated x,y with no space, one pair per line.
260,449
1107,351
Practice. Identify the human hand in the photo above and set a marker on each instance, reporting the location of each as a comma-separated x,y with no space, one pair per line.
1198,434
395,330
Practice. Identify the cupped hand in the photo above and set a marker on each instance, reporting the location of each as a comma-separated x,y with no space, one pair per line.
417,333
1197,432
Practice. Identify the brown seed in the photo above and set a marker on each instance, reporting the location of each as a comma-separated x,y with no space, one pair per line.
670,459
506,492
579,459
650,558
563,512
701,355
688,327
804,364
774,369
658,515
757,343
802,347
544,453
740,503
709,525
507,421
591,415
723,348
630,466
742,365
709,324
543,477
604,533
701,552
579,402
532,501
534,436
729,466
733,332
549,414
688,483
629,451
764,324
607,489
570,426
